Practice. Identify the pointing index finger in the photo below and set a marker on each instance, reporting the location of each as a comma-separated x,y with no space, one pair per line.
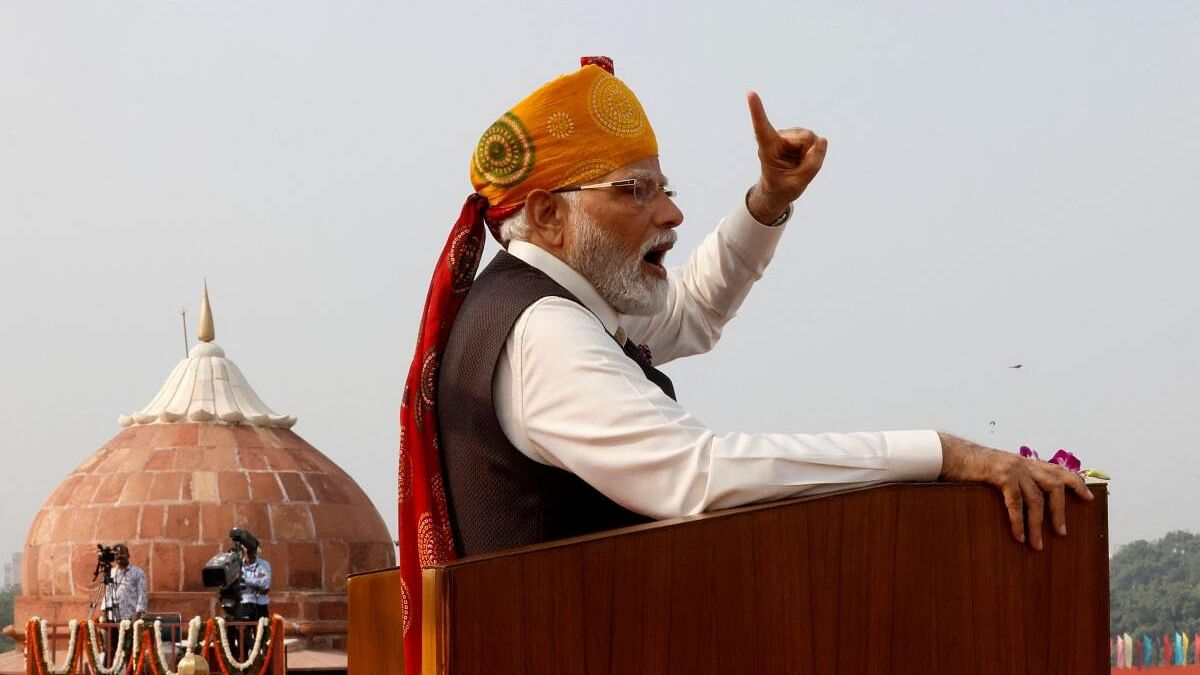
764,131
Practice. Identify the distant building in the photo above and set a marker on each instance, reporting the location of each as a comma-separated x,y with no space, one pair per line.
205,455
12,571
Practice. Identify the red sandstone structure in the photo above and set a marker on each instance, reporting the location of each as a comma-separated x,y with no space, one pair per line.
204,456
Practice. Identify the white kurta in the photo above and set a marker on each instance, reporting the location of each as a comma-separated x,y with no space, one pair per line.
566,395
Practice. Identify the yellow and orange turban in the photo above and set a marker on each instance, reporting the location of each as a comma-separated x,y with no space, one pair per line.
573,129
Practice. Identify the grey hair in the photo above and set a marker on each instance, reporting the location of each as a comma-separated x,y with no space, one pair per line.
516,227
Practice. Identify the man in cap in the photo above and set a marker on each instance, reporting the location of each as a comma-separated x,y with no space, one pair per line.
534,387
256,580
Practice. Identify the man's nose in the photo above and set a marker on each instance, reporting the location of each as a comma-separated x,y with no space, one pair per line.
670,216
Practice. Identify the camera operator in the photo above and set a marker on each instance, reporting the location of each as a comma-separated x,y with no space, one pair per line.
256,584
127,600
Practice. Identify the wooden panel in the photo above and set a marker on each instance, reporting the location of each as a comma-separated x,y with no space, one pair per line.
375,619
899,579
433,622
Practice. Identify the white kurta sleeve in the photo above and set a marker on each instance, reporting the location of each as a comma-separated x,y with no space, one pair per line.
567,396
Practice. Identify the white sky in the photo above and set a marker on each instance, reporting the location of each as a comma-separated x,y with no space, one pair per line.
1007,182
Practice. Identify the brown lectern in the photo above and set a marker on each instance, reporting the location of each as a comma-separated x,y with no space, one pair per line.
899,579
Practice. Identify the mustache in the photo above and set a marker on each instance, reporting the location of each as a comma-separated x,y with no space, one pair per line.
665,238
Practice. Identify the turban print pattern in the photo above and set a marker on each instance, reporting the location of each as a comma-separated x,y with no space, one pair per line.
467,246
560,125
615,109
505,154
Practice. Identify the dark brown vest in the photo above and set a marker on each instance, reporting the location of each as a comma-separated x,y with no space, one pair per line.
498,497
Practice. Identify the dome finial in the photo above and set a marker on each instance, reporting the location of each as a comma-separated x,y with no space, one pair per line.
207,332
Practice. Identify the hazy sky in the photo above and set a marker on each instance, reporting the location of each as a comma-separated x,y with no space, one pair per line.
1007,182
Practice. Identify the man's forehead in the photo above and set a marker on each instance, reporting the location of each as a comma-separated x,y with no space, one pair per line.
656,176
647,168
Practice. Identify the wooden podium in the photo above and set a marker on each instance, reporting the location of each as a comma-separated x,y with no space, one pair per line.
899,579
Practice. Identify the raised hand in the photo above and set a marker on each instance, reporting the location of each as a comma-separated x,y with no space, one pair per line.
790,159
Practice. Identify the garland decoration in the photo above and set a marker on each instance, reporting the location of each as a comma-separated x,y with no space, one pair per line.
228,663
92,652
37,649
277,638
210,628
137,653
32,655
145,652
157,664
141,659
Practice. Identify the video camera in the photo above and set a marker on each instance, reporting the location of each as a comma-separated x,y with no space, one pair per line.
105,557
224,570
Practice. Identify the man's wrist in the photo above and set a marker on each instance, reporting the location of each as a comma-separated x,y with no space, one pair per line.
765,208
965,461
956,456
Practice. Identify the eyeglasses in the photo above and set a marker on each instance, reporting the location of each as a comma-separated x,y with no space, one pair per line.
644,190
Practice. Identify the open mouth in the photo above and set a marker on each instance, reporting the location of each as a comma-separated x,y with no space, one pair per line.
655,258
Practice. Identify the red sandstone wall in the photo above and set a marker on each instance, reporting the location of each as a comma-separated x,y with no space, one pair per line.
171,492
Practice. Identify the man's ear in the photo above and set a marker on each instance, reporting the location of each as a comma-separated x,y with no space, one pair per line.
547,218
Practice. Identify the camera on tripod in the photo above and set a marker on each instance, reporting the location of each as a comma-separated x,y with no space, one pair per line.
224,570
105,557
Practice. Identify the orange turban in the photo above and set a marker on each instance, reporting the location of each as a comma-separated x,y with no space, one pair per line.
573,129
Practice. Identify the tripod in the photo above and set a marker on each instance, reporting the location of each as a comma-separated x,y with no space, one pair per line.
105,594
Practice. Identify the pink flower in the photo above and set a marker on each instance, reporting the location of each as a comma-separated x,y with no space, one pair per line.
1063,458
1066,460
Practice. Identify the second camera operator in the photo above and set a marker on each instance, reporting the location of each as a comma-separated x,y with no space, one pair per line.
127,599
256,580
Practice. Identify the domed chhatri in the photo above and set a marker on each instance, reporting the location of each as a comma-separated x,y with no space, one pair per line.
207,387
204,456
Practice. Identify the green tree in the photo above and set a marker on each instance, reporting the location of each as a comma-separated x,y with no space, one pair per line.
1154,586
6,615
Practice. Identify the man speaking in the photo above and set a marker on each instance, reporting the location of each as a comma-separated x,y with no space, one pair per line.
534,409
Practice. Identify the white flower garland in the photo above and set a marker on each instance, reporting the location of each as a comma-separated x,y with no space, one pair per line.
243,666
118,657
68,665
189,649
136,647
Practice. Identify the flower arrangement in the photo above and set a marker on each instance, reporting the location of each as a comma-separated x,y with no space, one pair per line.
1066,460
37,649
145,655
157,664
94,647
256,660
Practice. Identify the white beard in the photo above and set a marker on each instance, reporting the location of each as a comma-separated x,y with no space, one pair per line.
601,258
